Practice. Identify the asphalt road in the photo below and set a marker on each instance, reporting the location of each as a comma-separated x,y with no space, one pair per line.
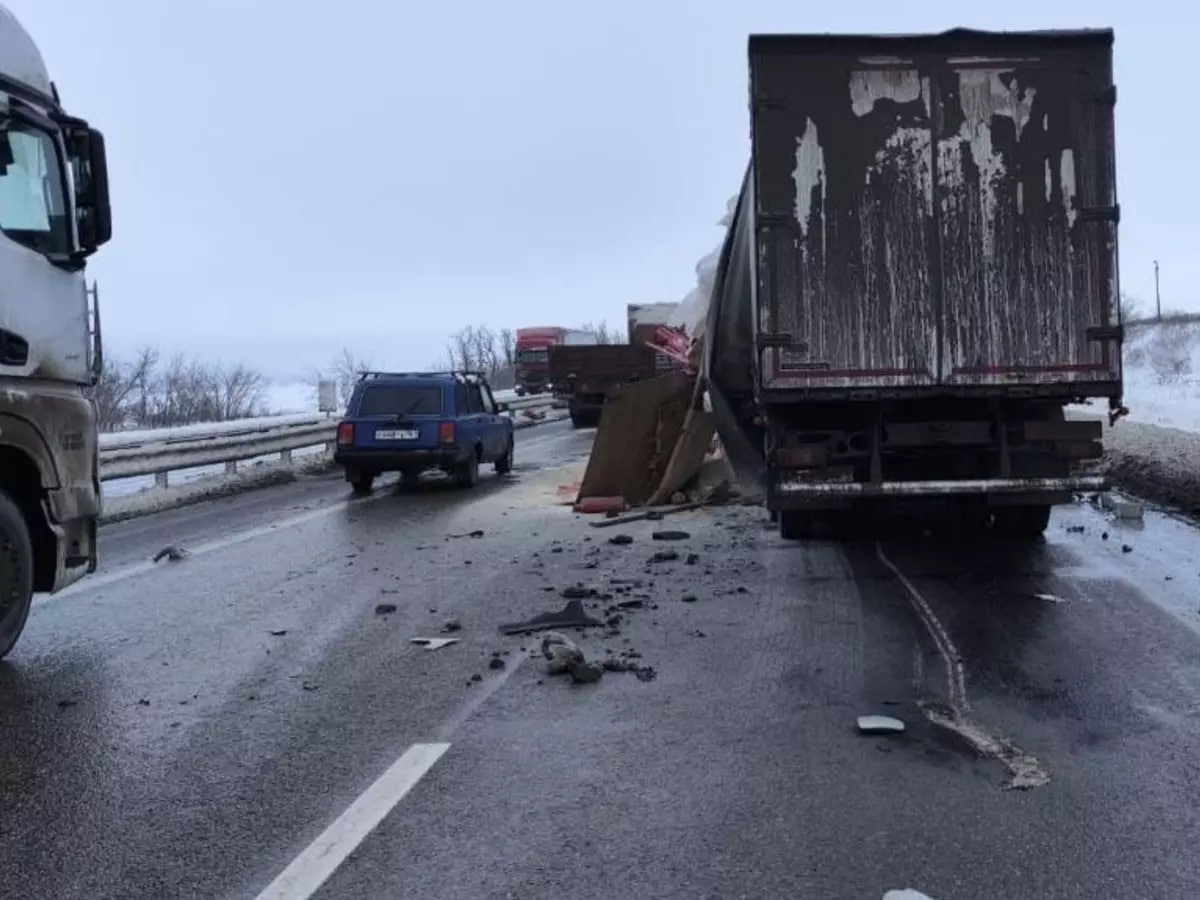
157,740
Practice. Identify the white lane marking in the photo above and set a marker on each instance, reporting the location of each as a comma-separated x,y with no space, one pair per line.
320,859
1024,770
94,582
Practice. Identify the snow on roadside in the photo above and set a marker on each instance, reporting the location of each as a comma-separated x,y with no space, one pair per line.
1162,375
125,498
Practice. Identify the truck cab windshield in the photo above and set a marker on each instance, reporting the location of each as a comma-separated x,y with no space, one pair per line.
534,355
32,208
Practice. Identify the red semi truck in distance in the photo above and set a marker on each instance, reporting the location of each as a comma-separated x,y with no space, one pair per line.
532,355
532,358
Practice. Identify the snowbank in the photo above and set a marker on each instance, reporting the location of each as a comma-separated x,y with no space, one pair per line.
1154,451
153,500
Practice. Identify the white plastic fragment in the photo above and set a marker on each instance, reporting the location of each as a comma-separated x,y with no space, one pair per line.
1049,598
433,643
906,894
880,725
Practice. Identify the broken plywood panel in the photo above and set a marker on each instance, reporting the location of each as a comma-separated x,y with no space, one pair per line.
636,422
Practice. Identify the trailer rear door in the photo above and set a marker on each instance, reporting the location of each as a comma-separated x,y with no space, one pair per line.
935,211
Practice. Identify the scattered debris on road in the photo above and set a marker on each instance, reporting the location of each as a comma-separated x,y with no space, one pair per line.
1049,598
651,515
383,609
433,643
620,539
452,625
560,651
477,533
1126,510
880,725
617,664
582,672
170,553
670,535
570,616
664,556
578,592
278,632
496,663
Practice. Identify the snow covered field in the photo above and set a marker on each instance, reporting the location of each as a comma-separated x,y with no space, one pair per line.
1162,375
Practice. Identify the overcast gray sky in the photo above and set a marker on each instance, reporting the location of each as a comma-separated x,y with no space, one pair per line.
292,177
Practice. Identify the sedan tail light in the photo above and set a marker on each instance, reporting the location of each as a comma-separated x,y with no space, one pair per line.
345,433
446,433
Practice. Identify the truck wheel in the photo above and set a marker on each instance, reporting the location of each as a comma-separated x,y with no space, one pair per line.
361,482
16,574
795,524
505,463
577,419
467,473
1021,521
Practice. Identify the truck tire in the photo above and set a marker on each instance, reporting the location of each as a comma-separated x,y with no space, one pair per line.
795,524
578,419
1022,522
16,573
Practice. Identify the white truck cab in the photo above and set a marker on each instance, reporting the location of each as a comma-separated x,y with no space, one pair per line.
54,214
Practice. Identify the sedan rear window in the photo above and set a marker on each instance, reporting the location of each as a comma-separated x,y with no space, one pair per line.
400,399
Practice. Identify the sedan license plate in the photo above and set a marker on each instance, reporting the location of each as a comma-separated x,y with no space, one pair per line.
396,435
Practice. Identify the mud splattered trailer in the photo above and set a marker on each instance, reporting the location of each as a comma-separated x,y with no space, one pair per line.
937,210
934,267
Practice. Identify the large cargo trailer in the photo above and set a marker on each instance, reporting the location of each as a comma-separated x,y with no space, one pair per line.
921,273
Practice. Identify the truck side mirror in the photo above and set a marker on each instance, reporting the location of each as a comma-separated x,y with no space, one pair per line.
89,164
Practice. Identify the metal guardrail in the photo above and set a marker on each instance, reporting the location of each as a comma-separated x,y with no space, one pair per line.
158,453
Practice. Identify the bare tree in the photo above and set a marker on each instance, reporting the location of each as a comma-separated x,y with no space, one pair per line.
1131,308
1170,350
183,392
240,389
119,386
601,331
346,370
477,348
508,347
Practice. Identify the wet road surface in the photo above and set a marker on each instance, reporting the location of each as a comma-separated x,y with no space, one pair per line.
158,740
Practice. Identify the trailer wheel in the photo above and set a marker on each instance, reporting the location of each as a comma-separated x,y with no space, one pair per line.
16,573
1026,522
796,525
